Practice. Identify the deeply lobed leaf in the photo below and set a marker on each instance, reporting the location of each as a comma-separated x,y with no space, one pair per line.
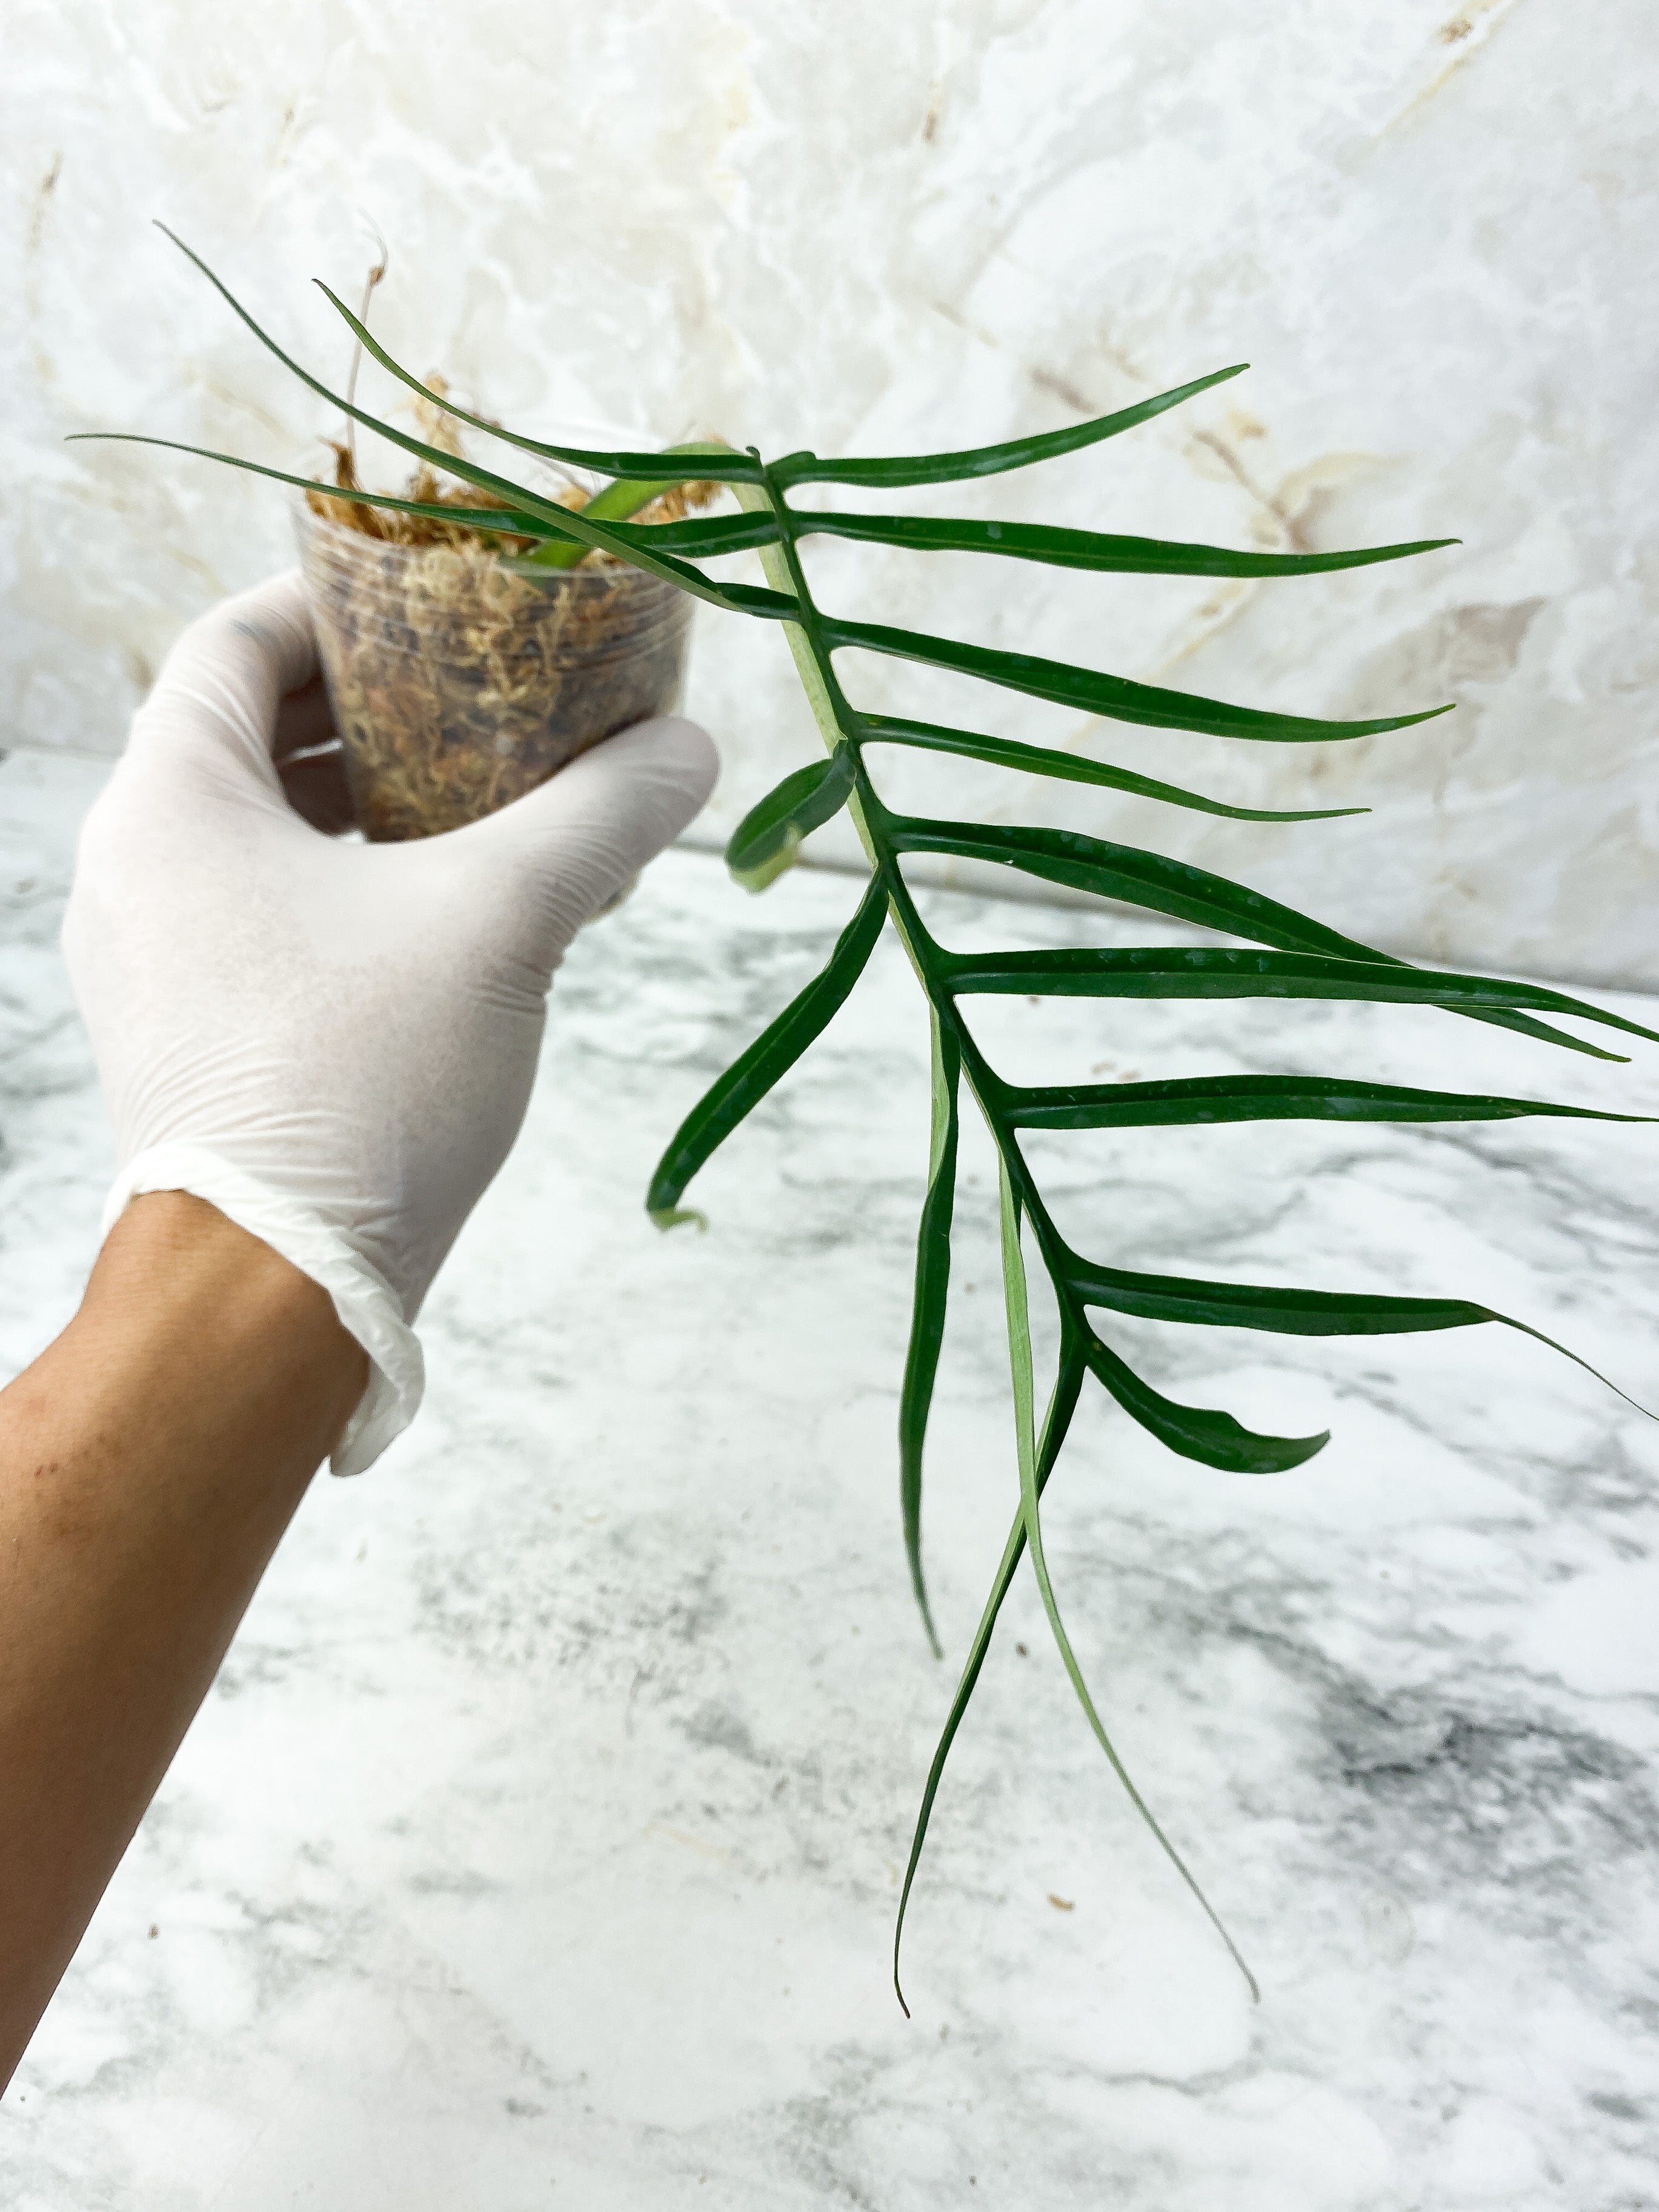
1304,958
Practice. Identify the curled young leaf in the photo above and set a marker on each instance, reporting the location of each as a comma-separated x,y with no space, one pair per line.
768,837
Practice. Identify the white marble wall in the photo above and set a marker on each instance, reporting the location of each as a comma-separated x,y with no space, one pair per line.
872,224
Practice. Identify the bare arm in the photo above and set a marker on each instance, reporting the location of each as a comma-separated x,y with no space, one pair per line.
149,1461
316,1055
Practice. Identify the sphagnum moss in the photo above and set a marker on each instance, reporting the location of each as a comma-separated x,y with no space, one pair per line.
1287,955
464,667
459,682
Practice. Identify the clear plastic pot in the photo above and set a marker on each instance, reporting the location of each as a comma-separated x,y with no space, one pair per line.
459,683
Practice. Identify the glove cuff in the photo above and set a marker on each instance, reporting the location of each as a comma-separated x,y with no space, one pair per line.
368,1306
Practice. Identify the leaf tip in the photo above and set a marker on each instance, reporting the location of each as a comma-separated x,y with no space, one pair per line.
670,1217
756,875
1307,1448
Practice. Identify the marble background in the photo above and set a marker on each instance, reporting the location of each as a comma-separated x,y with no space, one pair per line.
870,226
540,1842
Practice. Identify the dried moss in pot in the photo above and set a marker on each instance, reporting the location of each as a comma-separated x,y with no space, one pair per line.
458,682
461,674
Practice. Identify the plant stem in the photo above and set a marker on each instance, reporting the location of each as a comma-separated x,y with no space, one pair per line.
838,719
839,722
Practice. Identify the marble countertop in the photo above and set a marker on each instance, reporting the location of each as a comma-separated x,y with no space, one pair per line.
540,1843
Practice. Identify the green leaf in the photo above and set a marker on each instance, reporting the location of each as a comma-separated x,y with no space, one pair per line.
739,598
766,840
1281,1312
1062,1406
1148,879
522,515
1090,691
1206,972
727,465
1214,1439
928,1305
1043,760
1019,1355
749,1077
1163,886
702,537
615,501
989,460
511,522
1212,1098
1092,548
1131,876
1294,1312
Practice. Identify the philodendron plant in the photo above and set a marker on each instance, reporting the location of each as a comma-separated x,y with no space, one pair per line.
1284,954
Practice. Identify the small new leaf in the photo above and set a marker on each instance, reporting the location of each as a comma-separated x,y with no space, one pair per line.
769,838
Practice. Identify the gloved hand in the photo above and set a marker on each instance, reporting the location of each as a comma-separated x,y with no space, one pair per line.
333,1043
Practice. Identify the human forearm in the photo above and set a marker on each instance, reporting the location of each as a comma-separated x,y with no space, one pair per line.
332,1041
150,1461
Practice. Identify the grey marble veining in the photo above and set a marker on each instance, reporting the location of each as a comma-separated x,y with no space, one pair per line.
541,1842
870,227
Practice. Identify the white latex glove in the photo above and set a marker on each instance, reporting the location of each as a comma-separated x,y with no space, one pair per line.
333,1043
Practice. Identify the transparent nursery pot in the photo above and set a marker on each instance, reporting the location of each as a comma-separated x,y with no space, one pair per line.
459,683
